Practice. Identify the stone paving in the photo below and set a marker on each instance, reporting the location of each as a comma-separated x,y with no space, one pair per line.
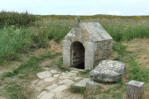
52,84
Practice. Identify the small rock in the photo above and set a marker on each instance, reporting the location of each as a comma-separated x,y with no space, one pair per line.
49,88
77,78
92,85
43,75
82,83
53,71
50,79
46,95
60,88
56,76
67,82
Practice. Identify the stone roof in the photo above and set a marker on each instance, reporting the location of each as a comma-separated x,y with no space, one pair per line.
90,31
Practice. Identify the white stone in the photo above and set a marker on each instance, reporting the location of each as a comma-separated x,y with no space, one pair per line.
92,85
77,78
53,71
82,83
56,76
60,88
67,82
50,79
43,75
49,88
108,71
46,95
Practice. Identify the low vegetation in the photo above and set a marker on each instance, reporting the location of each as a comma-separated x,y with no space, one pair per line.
17,19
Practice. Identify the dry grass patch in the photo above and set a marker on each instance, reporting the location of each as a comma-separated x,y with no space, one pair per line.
140,47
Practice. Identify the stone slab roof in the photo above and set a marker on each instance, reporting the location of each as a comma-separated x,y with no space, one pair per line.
90,31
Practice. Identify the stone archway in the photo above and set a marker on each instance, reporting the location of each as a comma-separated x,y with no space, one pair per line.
78,55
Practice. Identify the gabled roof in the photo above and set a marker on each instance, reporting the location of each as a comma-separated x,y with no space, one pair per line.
91,31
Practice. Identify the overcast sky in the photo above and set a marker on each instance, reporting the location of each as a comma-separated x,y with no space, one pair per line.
77,7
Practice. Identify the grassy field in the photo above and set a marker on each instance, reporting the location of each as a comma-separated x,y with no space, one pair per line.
19,38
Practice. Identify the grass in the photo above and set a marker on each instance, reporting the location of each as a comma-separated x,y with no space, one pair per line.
75,89
16,82
14,18
16,90
134,71
14,40
59,64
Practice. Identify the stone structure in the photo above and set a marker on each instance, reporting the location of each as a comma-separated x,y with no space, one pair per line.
108,71
135,90
85,45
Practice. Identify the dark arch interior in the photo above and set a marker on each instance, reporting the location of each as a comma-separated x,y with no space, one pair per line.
78,53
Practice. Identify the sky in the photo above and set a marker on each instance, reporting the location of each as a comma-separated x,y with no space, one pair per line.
77,7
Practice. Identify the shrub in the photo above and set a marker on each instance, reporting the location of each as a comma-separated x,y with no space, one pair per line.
14,18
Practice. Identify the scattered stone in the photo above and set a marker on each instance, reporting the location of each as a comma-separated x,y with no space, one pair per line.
56,76
46,95
50,79
82,83
67,82
60,88
92,85
49,88
53,71
43,75
108,71
77,78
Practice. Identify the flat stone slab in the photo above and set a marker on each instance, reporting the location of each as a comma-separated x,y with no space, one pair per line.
92,85
60,88
46,95
43,75
108,71
49,88
82,83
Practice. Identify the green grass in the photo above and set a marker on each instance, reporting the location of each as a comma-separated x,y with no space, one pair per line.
26,69
14,40
60,66
17,19
16,90
133,69
75,89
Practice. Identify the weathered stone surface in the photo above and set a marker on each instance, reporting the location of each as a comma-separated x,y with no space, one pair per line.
46,95
50,79
93,38
108,71
105,76
116,66
82,83
49,88
43,75
135,90
66,82
60,88
92,85
53,71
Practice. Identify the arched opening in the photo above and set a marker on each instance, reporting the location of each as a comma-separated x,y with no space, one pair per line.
78,55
